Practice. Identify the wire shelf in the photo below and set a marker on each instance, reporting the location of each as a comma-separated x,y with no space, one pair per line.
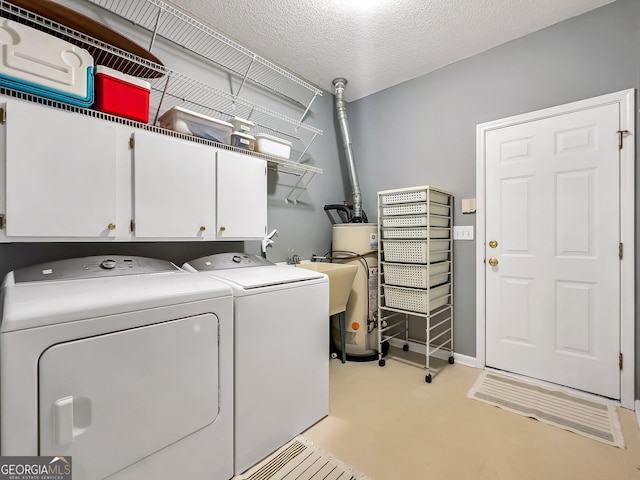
176,89
170,88
305,172
102,53
166,21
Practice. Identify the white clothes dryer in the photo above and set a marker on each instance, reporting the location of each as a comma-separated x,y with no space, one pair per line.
281,353
123,363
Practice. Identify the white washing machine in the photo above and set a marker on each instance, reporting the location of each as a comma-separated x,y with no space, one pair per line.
281,320
123,363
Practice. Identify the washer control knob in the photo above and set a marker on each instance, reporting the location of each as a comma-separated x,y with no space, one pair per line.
236,259
108,264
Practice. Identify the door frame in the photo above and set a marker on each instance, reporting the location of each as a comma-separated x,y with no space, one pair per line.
626,100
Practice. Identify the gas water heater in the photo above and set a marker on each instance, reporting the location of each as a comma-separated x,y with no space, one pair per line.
357,244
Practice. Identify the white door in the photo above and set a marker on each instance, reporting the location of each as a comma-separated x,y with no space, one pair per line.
242,196
552,207
173,188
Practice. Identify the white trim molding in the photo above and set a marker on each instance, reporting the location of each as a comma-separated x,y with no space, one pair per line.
626,100
638,412
441,354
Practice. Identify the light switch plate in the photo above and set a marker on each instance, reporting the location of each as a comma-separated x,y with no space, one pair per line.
463,232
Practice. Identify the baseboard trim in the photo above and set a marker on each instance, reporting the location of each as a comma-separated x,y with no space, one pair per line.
465,360
638,412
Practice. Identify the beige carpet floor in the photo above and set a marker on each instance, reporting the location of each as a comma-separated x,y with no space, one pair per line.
391,425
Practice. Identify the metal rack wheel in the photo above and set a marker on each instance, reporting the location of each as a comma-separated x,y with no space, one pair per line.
428,378
405,347
451,360
382,362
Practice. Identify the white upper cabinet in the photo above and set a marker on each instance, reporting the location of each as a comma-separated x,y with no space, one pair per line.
241,196
173,188
69,177
60,174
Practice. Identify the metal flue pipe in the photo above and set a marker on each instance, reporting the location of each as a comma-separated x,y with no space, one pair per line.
339,84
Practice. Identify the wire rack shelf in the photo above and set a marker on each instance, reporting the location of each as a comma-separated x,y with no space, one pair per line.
170,88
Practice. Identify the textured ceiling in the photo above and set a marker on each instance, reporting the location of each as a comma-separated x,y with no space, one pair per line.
376,44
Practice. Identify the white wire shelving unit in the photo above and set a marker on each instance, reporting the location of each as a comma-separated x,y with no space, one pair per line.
170,88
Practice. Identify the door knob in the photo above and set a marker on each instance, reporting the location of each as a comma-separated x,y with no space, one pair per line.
111,226
493,262
493,244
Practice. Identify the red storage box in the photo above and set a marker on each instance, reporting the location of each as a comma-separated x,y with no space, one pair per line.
120,94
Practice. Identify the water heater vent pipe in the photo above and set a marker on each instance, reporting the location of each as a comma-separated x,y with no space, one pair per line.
339,84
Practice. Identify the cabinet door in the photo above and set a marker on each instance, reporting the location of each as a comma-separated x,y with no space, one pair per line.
173,188
60,173
242,196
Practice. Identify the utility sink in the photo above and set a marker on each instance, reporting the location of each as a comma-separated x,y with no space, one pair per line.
340,281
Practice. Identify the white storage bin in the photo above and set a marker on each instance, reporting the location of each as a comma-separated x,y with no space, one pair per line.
416,233
416,276
415,221
422,195
415,300
185,121
414,251
243,126
242,140
274,146
416,209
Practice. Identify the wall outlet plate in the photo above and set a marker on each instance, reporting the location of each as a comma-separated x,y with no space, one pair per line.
463,232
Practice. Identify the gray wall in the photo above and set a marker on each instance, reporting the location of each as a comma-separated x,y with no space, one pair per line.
423,131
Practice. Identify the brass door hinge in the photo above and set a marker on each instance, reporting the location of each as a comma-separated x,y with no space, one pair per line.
620,361
132,226
132,142
620,248
3,115
621,134
3,222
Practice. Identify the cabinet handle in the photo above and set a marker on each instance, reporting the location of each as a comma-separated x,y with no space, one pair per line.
111,226
222,229
203,228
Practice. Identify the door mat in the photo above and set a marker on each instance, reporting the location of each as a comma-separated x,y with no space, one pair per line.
586,417
301,459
